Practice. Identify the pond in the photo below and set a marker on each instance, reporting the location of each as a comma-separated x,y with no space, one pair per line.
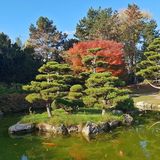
134,143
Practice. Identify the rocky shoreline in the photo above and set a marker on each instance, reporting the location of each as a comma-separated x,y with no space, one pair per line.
87,129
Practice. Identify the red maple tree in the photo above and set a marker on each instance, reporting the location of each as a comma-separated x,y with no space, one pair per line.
111,53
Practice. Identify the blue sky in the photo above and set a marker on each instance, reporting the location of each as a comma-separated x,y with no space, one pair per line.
17,15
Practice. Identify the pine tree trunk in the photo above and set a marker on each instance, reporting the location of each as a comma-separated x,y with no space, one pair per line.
48,107
103,112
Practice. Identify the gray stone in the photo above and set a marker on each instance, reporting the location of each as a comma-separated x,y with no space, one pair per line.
62,130
22,128
145,106
115,124
128,120
104,127
73,129
90,128
52,129
44,127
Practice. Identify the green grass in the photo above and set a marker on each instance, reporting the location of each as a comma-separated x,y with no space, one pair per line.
146,93
61,117
152,99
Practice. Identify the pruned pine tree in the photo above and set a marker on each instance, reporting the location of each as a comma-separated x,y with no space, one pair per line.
97,56
102,91
149,68
91,60
53,82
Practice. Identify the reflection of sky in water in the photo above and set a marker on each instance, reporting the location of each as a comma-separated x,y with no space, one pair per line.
143,144
24,157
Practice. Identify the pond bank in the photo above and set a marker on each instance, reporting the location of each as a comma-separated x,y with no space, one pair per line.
87,129
134,142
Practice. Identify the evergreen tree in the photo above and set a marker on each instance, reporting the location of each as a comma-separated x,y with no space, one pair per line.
149,68
46,40
52,83
131,26
17,65
149,34
98,24
91,62
102,91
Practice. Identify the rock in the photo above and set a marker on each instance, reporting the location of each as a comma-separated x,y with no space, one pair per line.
1,113
114,124
80,127
117,112
22,128
72,129
104,127
145,106
52,129
44,127
127,119
90,128
140,105
62,130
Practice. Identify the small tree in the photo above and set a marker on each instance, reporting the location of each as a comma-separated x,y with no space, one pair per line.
149,68
92,61
53,82
102,91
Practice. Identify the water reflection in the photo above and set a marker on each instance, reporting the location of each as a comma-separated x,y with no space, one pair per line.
24,157
143,144
135,143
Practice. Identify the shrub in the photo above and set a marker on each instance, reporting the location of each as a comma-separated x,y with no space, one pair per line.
125,105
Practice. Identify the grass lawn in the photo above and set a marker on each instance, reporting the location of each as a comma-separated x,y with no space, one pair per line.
61,117
146,93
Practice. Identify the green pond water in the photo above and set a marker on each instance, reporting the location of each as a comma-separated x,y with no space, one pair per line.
134,143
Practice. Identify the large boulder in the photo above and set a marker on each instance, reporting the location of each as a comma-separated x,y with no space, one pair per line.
44,127
21,128
90,128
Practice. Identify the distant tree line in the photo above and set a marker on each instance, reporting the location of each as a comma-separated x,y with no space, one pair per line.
122,37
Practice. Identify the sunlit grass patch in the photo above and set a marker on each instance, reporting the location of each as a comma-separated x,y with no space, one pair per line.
61,117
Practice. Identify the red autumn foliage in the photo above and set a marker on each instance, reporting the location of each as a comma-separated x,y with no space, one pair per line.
112,53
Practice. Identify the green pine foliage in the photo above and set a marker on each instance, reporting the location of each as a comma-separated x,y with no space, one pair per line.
52,83
75,96
92,62
75,92
149,68
102,91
